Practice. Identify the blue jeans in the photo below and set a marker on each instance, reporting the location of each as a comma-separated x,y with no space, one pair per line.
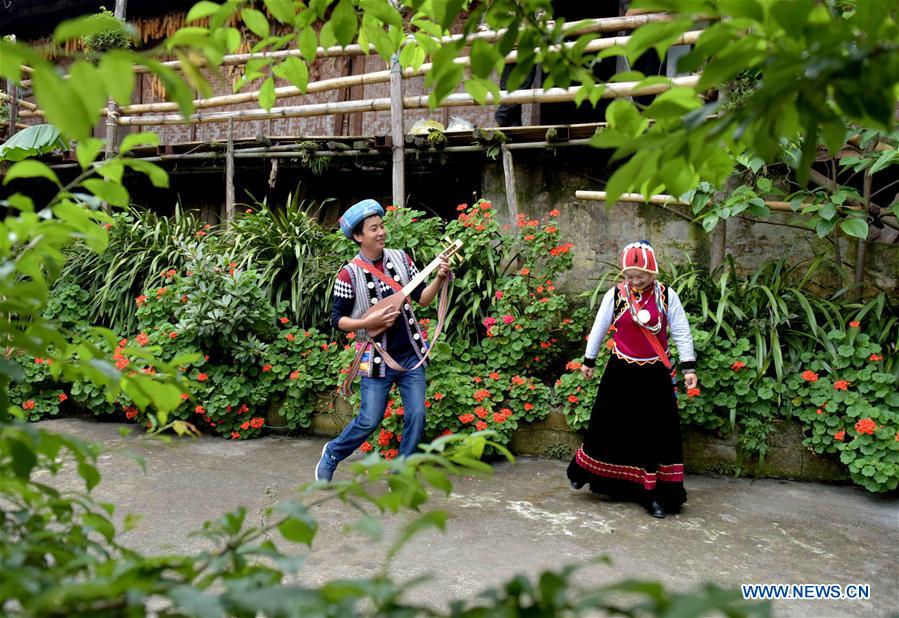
374,393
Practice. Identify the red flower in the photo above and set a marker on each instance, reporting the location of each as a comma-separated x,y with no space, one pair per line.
185,396
508,319
875,357
257,422
142,339
391,453
738,365
528,406
400,411
390,208
480,425
809,376
366,447
573,365
384,437
249,211
235,435
28,405
63,397
693,392
173,335
897,436
38,361
518,380
295,374
481,394
524,272
866,425
498,418
130,413
499,294
199,410
351,336
266,368
123,343
462,207
184,298
554,213
573,399
854,324
481,412
494,375
121,363
551,230
819,411
140,300
245,425
486,205
488,322
477,380
841,385
530,237
202,377
466,418
161,291
290,337
610,343
839,435
438,396
284,320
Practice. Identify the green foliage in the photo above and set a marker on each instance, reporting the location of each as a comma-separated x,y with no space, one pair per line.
849,405
105,40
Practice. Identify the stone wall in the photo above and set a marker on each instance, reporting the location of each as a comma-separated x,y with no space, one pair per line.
704,453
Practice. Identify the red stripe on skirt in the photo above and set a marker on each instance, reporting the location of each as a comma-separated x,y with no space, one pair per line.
667,473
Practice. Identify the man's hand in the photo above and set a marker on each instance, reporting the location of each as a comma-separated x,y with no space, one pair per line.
382,318
691,380
587,372
443,271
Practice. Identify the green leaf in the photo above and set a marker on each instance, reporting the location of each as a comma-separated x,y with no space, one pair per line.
138,139
282,10
202,9
256,22
855,227
344,22
61,106
158,176
299,529
382,11
100,524
484,58
267,94
117,72
295,71
110,192
23,459
30,169
308,44
89,474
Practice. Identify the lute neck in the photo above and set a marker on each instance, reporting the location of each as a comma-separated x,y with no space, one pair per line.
421,276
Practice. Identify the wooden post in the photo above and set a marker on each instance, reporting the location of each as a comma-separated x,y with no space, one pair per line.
511,195
112,110
862,242
13,93
397,131
229,174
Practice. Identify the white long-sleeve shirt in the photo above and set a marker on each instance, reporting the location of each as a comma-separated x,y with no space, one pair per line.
678,326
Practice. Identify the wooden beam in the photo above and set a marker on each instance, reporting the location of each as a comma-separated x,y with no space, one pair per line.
397,132
663,200
229,174
511,193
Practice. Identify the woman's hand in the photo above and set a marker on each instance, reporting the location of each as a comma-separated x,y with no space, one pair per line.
690,379
587,372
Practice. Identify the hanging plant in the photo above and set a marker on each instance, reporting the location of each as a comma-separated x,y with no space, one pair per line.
104,41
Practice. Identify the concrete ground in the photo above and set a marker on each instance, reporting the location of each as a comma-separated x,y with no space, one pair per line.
522,519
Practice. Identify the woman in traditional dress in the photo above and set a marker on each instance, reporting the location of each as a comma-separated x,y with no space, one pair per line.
632,450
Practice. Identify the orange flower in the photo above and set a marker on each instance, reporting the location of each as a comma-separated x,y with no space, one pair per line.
518,380
477,380
551,230
839,435
819,411
841,385
142,339
185,396
875,358
524,272
854,324
693,392
498,418
610,344
438,396
462,207
809,376
173,335
481,394
290,337
391,208
530,237
573,365
295,374
266,368
199,410
235,435
28,405
351,336
284,320
140,300
466,418
366,447
161,291
573,399
866,425
494,375
528,406
738,365
554,213
486,205
481,412
202,377
480,425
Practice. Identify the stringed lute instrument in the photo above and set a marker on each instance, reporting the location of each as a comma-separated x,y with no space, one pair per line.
396,300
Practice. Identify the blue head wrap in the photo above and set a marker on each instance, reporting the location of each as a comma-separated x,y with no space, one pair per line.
357,213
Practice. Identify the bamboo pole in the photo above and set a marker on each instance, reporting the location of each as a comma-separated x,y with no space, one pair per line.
604,24
664,200
13,103
509,177
25,105
553,95
397,132
112,109
229,174
375,77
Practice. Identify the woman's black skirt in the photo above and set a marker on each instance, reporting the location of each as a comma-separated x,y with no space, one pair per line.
633,446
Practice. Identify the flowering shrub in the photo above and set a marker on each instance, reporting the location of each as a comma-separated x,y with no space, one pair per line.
575,395
849,405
